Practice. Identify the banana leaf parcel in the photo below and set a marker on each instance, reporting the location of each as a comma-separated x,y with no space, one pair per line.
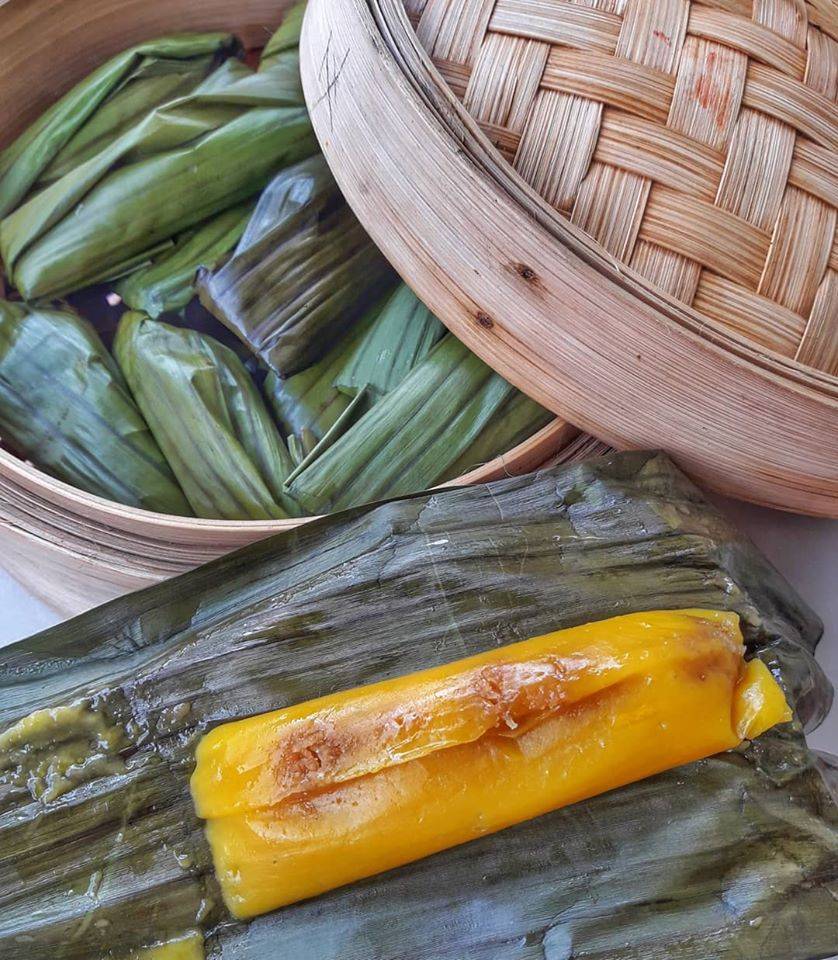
209,419
100,851
300,284
87,118
65,405
185,162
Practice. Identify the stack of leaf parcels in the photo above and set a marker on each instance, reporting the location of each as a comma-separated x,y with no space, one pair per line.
176,171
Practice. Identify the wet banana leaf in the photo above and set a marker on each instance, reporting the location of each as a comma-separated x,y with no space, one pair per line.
185,162
401,337
123,89
515,421
209,419
289,191
292,293
168,283
733,856
65,405
412,437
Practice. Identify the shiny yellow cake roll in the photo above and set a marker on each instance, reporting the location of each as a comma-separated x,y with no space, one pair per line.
312,797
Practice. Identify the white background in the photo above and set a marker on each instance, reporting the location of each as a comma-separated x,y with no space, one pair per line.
805,550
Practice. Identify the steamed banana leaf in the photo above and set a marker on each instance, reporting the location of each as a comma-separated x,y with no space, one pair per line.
65,405
292,293
208,417
289,191
99,718
119,92
168,283
401,337
185,162
414,435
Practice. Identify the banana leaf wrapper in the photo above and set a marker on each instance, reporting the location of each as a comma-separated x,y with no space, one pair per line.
208,417
402,336
719,858
413,436
292,294
123,89
187,161
168,283
65,405
290,190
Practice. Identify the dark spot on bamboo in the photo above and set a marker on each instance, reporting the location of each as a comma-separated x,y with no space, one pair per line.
485,320
526,273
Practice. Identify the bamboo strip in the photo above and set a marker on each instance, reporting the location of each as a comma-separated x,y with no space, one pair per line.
799,251
543,159
819,345
664,155
757,169
822,64
610,207
653,33
753,316
815,170
748,37
620,83
505,81
824,14
453,30
803,108
786,18
702,232
677,275
457,76
556,21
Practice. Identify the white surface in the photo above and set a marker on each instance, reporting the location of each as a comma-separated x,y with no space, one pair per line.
805,550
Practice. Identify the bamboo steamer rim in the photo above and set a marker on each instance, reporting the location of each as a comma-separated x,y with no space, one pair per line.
48,509
778,419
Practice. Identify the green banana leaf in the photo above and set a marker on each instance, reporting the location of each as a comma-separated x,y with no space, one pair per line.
516,420
208,417
413,436
401,337
293,292
64,404
185,162
308,404
63,126
168,283
735,856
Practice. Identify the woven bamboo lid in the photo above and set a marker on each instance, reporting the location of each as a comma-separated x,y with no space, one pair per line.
697,142
626,207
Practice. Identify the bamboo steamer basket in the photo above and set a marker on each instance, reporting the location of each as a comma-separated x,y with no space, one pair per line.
71,549
627,207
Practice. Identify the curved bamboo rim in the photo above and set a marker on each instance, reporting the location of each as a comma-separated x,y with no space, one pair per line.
534,296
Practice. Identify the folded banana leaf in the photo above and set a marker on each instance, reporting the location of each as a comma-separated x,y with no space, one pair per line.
185,162
402,336
292,293
65,405
515,421
168,283
120,91
414,435
208,417
100,851
308,404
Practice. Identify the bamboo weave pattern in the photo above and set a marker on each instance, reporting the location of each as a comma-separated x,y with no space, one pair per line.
697,142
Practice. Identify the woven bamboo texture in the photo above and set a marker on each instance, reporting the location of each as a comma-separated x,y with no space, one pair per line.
697,142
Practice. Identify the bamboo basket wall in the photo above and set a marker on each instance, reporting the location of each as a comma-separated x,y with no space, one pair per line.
71,549
627,207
